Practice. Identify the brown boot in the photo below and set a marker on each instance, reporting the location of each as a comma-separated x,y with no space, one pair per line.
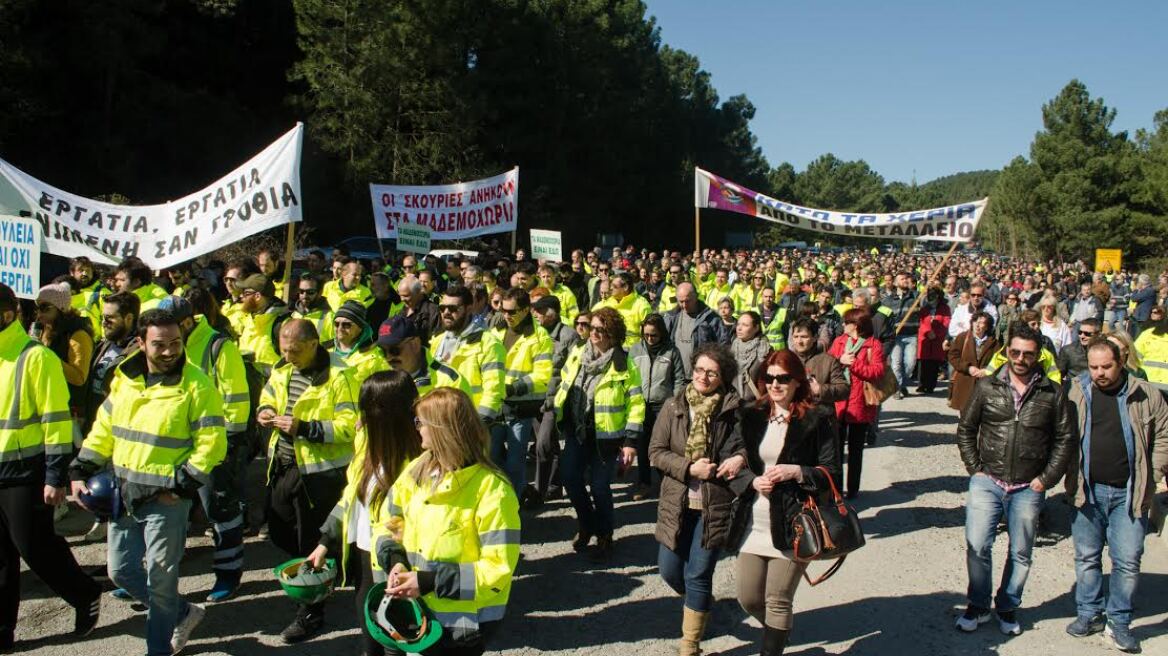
693,625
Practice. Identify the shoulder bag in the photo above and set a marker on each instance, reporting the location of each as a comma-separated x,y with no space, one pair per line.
826,532
875,393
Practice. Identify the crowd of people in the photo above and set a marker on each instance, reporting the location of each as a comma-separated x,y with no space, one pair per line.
396,406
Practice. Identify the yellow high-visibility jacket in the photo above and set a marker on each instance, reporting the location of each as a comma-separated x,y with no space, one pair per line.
226,371
569,308
322,318
36,429
619,403
465,530
166,436
326,411
528,364
259,335
633,309
149,296
1153,349
479,359
362,363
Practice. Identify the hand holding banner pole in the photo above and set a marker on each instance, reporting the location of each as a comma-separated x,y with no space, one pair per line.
932,276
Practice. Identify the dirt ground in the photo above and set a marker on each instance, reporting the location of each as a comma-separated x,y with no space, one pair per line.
898,595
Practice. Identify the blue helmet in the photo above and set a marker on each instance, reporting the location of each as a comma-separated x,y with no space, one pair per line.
105,495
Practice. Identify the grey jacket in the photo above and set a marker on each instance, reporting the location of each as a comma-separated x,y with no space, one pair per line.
750,356
662,377
1148,413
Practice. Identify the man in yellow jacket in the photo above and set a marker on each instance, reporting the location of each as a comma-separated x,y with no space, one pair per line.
311,409
132,275
629,304
528,370
475,353
259,321
162,430
36,442
353,347
401,343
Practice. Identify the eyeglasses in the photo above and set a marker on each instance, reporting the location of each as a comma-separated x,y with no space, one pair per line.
781,379
1017,354
599,330
343,325
711,374
450,308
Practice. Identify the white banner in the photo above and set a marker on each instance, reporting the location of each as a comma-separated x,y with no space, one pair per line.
262,193
455,211
952,223
547,245
20,255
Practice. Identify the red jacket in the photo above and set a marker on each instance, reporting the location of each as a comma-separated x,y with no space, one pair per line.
869,365
937,320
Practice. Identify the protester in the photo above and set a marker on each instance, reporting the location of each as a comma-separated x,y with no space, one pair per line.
787,439
354,346
1020,407
310,305
310,409
691,325
631,306
385,441
132,275
454,541
156,392
750,348
969,356
259,320
862,358
474,352
1053,326
417,307
906,321
698,445
1072,358
601,412
1121,453
547,443
35,445
70,337
931,336
662,378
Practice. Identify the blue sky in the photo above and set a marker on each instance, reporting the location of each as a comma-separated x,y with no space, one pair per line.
932,87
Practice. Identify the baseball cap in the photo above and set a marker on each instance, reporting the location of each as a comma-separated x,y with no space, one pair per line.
396,330
256,282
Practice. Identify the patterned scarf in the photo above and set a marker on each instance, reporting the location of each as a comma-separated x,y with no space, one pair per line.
703,408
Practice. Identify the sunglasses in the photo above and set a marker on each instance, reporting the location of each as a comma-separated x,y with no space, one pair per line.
1022,355
343,325
583,324
1087,333
452,308
599,330
782,379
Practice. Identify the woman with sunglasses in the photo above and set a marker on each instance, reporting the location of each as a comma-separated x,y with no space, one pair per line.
863,359
448,531
600,410
386,440
787,437
698,446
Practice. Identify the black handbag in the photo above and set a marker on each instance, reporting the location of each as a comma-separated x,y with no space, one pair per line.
825,532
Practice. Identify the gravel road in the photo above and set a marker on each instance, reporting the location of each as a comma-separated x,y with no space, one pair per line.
898,595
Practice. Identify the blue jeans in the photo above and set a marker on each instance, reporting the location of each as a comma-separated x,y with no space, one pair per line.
145,550
1105,519
1115,318
690,569
984,506
597,459
509,449
904,359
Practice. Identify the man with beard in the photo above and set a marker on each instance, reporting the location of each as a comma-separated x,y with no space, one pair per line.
386,302
474,352
825,374
1016,436
311,306
259,321
311,409
132,275
35,444
155,393
88,291
269,263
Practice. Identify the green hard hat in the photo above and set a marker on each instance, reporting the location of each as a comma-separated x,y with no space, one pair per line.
404,624
305,584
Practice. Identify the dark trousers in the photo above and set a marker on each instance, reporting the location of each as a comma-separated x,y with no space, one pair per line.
298,506
27,525
222,501
930,369
644,470
547,453
854,436
361,575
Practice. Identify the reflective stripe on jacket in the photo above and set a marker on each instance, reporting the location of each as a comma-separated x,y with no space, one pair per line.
227,372
619,402
776,330
259,338
36,429
479,359
528,365
633,309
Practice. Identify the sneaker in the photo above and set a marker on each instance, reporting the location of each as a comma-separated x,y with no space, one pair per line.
1085,626
1008,623
121,594
85,618
225,586
305,625
186,626
1121,638
972,618
97,532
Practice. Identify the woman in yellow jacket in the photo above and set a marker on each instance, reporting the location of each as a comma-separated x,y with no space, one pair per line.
449,532
385,442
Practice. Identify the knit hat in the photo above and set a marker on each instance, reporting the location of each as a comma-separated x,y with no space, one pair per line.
58,295
179,307
257,282
545,303
353,311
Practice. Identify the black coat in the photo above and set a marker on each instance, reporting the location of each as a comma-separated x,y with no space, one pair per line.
811,442
1035,442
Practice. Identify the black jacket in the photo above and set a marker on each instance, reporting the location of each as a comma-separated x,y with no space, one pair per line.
1035,442
1072,361
810,442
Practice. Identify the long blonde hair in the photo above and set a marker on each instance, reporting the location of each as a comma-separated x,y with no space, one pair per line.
458,437
1126,343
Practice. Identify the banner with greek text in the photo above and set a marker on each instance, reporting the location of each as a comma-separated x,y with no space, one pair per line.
20,255
262,193
454,211
952,223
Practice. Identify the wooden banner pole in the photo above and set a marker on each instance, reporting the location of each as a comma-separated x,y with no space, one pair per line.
932,276
288,254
